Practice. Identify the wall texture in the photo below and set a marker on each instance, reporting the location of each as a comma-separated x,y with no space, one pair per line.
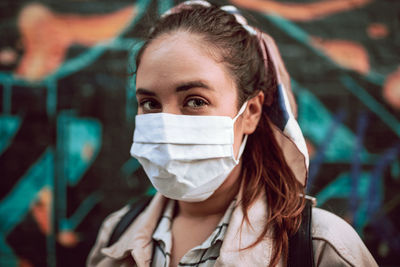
67,109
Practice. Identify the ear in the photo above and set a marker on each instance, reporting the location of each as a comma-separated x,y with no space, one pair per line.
253,113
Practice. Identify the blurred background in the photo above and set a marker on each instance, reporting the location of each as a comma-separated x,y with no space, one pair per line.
67,108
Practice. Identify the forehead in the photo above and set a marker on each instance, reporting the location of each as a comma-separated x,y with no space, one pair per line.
181,57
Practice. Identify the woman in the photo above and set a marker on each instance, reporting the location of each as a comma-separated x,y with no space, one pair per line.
217,136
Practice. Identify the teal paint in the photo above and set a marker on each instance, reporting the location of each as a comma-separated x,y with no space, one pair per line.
7,96
130,166
81,212
51,237
142,6
16,204
151,191
80,141
118,43
341,188
74,65
164,5
395,169
51,101
51,250
16,81
84,59
375,78
301,36
121,44
18,201
298,34
291,29
371,103
9,126
315,121
7,256
61,176
131,103
88,57
360,218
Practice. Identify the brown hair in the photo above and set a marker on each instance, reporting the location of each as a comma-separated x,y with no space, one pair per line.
264,166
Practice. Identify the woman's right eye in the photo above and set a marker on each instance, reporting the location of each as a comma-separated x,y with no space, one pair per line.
150,105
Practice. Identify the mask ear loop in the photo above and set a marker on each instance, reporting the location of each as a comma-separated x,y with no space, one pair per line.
241,110
241,148
243,145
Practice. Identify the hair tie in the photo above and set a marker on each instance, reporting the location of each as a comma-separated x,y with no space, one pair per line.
239,18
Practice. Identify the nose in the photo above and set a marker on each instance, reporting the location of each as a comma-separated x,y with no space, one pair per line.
172,108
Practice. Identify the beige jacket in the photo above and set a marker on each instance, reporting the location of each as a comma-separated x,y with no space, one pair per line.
335,242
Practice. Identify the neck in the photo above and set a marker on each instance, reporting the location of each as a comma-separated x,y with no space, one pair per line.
218,202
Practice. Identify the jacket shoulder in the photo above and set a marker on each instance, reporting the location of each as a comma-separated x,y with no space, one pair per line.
336,243
106,229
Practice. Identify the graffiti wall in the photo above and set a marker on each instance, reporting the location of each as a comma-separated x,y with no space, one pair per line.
67,108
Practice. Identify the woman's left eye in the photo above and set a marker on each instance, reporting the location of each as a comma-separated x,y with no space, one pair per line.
196,103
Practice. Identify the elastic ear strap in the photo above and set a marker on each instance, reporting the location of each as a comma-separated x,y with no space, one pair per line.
242,147
241,110
244,141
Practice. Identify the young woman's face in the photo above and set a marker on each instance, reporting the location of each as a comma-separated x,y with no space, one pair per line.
178,74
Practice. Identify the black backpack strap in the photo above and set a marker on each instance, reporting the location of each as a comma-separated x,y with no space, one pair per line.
300,244
134,210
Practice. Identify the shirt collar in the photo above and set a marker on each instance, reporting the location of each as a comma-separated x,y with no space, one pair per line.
239,235
163,235
219,233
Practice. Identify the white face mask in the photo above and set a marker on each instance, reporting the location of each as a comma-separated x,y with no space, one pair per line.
186,157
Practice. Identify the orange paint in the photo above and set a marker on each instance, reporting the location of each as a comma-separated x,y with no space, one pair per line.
301,11
377,30
41,210
24,263
310,148
347,54
8,56
391,89
87,152
46,36
68,239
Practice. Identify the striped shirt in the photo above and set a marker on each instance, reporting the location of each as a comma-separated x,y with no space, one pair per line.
203,255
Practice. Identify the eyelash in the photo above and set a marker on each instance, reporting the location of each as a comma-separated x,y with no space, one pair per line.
203,101
153,102
143,102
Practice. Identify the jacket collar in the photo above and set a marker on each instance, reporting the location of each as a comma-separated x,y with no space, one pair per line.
242,234
136,241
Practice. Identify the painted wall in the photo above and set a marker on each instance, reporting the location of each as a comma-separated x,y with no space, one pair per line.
67,115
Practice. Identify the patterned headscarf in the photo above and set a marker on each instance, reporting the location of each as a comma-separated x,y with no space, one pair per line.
281,108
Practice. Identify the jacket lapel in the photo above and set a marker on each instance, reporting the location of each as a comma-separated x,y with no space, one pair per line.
137,240
241,234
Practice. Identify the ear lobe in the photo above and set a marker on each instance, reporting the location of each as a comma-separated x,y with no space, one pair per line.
253,113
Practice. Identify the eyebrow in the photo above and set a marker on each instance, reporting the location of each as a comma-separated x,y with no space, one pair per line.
183,87
193,84
142,91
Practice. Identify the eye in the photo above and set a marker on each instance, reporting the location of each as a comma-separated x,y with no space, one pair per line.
196,103
150,105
